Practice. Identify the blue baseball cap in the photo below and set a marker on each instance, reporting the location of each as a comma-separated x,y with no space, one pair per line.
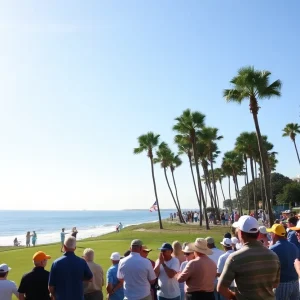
166,246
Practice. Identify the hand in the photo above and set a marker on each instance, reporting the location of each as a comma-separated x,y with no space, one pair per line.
297,266
161,258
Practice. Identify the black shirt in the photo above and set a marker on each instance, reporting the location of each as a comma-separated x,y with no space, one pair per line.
35,284
74,234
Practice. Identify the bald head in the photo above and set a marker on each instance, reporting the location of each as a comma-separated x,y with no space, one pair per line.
70,244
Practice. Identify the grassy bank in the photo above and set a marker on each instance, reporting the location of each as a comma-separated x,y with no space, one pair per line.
20,259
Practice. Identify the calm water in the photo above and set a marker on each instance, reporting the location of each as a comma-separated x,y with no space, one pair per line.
48,224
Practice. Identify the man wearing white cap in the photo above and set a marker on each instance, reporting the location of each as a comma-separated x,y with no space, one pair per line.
255,268
7,287
114,287
200,273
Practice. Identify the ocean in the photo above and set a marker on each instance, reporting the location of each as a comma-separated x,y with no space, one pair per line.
48,224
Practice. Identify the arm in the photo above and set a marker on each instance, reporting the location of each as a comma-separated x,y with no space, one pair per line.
185,274
297,266
151,274
276,283
157,268
52,291
225,292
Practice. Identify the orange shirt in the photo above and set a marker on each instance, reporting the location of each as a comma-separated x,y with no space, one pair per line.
199,275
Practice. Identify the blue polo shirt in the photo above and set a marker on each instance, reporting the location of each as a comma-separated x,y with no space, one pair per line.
287,253
292,237
111,277
67,275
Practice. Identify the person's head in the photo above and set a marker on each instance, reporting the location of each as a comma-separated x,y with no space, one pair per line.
292,222
70,244
247,227
278,232
115,258
88,254
200,247
40,259
234,241
227,244
126,253
167,250
277,221
210,242
177,248
188,252
227,235
28,232
262,232
16,239
136,246
145,251
62,229
4,270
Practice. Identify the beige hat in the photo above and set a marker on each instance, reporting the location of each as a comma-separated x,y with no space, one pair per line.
200,246
187,249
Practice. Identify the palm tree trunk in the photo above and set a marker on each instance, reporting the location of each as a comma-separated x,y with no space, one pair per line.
222,189
247,184
263,158
192,172
214,184
155,192
237,194
201,195
254,185
294,141
229,188
175,186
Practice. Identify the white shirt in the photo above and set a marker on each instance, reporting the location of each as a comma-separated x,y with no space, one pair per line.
7,288
169,287
298,223
221,262
195,215
182,266
215,255
136,272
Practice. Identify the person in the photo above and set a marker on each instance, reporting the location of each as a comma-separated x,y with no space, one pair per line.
68,273
236,216
227,235
93,290
200,273
33,238
177,251
137,274
28,239
120,226
166,268
74,232
62,238
34,285
195,217
223,219
144,253
234,243
226,216
16,242
216,253
263,236
298,222
189,254
291,236
227,245
255,280
287,252
114,287
7,287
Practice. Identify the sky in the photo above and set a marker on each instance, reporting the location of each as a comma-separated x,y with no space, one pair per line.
81,80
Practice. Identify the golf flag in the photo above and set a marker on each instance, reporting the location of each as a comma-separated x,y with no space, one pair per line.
153,207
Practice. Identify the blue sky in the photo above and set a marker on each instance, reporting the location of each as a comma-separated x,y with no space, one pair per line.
81,80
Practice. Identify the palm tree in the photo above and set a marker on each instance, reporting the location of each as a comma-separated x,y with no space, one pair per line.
291,130
219,176
188,124
254,84
164,157
147,142
185,147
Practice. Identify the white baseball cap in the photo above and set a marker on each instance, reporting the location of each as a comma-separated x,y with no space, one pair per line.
115,256
247,224
234,240
226,242
4,268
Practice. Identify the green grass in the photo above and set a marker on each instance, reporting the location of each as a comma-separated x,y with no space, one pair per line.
20,259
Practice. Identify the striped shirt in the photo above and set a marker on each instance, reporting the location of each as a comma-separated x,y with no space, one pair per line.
255,269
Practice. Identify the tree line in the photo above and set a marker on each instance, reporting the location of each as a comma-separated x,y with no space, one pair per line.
253,153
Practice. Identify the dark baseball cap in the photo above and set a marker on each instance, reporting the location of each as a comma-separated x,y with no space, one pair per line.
166,246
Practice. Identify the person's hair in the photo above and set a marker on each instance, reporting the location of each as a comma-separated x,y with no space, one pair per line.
88,253
127,253
227,235
293,220
3,274
228,248
62,229
277,221
247,235
177,248
70,242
